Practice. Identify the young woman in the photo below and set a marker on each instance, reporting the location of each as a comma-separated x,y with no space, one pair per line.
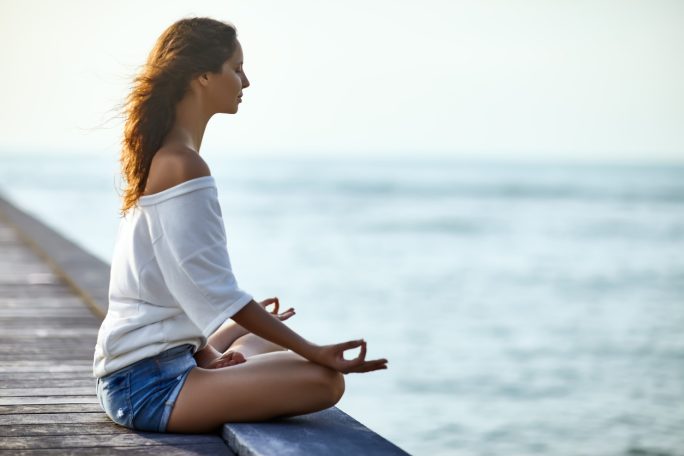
183,348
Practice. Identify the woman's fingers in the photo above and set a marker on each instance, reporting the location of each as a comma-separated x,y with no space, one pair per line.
343,346
267,302
287,314
368,366
362,354
362,366
358,364
276,303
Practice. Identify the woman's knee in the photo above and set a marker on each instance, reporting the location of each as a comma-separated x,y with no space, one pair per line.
329,381
338,387
332,383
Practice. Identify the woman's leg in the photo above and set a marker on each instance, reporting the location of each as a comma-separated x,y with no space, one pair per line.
265,386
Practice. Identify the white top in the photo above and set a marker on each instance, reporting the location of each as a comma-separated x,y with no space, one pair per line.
171,281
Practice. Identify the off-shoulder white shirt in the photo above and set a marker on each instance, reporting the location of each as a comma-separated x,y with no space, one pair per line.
171,280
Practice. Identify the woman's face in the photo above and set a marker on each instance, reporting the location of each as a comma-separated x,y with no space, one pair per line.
226,90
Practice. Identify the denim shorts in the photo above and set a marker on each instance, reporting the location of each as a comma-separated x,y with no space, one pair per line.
141,396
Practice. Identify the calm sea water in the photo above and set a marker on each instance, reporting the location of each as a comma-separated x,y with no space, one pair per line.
524,309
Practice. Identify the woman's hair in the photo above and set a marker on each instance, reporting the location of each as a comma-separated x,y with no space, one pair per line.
186,49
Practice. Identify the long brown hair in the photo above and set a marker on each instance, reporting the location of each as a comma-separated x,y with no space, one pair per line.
186,49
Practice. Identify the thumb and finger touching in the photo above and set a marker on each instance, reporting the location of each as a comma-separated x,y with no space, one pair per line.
358,364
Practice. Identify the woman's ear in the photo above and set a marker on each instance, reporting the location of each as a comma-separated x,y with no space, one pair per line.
203,79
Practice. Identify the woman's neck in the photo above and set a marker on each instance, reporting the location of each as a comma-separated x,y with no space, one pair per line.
190,123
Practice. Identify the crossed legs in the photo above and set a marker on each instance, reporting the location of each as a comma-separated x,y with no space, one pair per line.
272,382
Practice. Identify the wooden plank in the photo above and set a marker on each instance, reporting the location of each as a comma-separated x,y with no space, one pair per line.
37,353
42,391
32,312
44,345
330,431
46,418
23,292
25,409
48,302
16,400
209,449
47,358
32,332
64,343
40,366
29,276
19,430
103,440
20,376
43,383
83,321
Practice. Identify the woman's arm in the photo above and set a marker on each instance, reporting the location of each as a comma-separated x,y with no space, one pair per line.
227,333
259,321
230,331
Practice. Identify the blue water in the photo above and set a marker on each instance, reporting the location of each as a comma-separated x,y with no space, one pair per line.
524,308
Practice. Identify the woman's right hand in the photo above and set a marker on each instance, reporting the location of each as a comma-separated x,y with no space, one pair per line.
333,357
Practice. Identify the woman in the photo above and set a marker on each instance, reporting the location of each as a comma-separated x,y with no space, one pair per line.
183,348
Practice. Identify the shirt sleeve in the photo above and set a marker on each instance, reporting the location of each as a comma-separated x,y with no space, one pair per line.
192,253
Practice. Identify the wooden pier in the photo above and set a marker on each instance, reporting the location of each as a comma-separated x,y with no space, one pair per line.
47,339
53,297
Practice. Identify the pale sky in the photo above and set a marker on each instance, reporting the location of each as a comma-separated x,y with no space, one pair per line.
570,80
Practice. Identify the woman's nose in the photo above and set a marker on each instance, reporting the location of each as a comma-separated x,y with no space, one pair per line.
245,81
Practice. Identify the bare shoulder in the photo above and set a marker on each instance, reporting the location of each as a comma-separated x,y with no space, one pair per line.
173,165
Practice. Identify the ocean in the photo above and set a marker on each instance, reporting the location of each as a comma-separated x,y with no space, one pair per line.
524,308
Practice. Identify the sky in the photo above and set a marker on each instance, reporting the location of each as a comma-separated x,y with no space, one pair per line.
567,80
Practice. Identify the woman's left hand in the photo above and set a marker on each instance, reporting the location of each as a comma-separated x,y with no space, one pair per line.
280,316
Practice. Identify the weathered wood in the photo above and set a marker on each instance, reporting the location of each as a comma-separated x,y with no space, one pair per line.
19,376
40,366
7,312
24,409
102,440
67,259
30,350
46,357
19,430
69,390
308,435
45,418
48,331
51,332
76,382
209,449
18,291
16,400
47,302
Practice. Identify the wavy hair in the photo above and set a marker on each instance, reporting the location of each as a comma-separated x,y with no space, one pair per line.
186,49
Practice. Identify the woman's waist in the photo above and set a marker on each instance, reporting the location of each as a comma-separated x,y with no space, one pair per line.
153,361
